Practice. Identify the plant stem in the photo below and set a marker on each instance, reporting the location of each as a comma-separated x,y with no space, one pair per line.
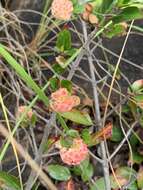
97,112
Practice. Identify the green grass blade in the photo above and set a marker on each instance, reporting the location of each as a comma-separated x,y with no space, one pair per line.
23,74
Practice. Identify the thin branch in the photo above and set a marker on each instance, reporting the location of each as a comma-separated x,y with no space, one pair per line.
97,112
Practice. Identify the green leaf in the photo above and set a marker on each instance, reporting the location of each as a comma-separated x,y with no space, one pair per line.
23,74
127,173
137,86
136,158
134,141
99,184
58,172
71,51
133,186
64,40
86,136
72,133
117,134
66,84
128,14
87,172
78,9
9,181
62,122
33,120
116,30
107,5
78,117
84,164
124,176
54,83
66,142
58,69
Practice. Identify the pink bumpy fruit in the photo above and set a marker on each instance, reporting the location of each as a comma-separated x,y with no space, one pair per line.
75,154
62,9
61,101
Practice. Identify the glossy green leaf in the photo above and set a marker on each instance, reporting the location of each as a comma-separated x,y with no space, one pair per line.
133,186
58,172
78,117
54,83
58,69
134,140
87,172
86,136
66,141
99,184
125,176
136,158
66,84
78,168
64,40
9,181
72,133
62,122
107,5
126,172
78,9
117,134
115,30
128,14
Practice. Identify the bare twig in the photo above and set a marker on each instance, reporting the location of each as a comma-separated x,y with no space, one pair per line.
97,112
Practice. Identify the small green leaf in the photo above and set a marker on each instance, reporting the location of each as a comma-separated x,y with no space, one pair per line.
78,9
115,30
78,117
128,14
9,181
126,172
117,134
87,172
66,142
107,5
66,84
136,158
58,172
134,140
124,176
76,170
33,119
58,69
84,164
133,186
71,51
62,122
64,40
99,184
54,83
86,136
72,133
